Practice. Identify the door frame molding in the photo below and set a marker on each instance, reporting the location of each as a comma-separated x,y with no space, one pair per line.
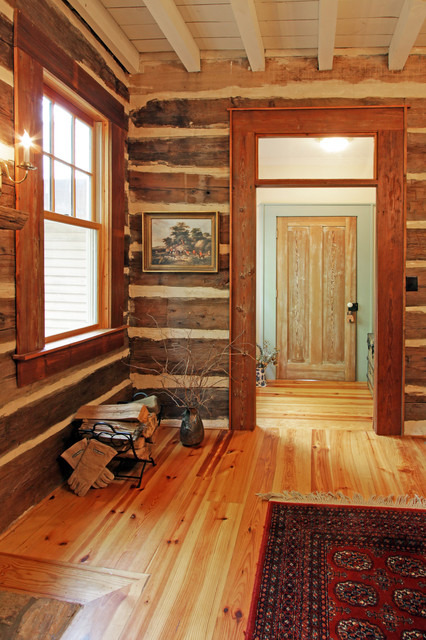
388,125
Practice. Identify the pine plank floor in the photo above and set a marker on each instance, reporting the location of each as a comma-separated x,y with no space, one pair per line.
195,527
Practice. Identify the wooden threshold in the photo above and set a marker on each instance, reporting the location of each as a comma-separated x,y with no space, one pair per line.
314,404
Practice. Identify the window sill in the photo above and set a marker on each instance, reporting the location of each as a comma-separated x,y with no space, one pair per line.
62,354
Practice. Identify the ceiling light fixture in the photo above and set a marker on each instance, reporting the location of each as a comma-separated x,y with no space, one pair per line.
334,145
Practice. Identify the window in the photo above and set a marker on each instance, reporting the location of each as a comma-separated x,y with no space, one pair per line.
85,163
72,162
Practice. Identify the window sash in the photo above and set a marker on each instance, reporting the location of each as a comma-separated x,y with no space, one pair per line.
55,162
73,313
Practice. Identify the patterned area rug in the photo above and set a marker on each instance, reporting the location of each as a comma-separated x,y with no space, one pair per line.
340,573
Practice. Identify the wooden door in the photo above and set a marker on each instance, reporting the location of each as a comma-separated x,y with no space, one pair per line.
316,278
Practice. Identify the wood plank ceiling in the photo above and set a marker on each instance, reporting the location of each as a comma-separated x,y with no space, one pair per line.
258,28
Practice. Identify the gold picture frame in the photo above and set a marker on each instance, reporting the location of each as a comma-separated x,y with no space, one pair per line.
180,242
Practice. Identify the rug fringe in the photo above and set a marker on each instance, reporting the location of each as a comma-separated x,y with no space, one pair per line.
329,497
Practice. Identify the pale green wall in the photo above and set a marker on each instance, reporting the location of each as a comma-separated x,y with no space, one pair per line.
266,266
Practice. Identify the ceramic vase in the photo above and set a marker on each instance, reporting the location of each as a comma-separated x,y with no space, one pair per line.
191,428
260,376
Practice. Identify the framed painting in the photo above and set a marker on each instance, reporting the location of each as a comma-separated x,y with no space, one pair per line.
180,242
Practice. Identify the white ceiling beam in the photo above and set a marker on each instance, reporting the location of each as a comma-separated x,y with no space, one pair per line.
248,26
104,25
410,21
327,21
171,23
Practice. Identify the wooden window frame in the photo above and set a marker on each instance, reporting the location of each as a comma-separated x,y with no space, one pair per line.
389,125
34,55
98,220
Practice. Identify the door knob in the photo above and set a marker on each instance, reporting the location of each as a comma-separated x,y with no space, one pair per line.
352,306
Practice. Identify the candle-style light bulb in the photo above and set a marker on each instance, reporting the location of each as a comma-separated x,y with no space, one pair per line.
26,142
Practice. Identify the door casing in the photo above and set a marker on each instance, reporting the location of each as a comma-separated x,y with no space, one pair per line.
388,125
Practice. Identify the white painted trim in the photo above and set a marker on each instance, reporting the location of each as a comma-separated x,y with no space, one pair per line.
293,90
7,289
415,389
147,381
7,152
6,76
8,347
408,27
214,172
174,132
101,21
416,309
171,23
415,342
136,208
416,176
6,10
248,25
416,224
160,333
415,428
219,423
326,33
163,291
415,264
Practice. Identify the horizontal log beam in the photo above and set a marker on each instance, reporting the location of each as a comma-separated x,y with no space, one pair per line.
415,365
416,244
189,113
415,410
185,313
178,187
203,151
415,324
416,144
32,475
35,417
219,280
12,218
217,407
416,199
146,353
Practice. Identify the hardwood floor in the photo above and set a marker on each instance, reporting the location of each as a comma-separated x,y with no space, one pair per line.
177,559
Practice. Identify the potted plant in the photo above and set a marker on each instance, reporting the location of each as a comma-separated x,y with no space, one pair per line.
265,355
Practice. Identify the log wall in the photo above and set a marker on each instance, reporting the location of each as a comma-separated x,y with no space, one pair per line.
35,420
179,161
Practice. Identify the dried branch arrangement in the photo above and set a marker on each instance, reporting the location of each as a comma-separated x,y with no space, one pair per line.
195,381
188,380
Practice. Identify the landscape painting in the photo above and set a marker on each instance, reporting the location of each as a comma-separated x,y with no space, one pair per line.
180,242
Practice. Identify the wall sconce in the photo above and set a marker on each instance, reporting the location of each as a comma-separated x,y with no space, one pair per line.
26,142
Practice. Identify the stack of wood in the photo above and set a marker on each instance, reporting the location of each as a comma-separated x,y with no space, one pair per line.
128,428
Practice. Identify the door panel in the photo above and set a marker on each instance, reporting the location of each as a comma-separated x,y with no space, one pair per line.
316,277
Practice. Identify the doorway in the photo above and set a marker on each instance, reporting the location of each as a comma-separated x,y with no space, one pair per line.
356,203
387,124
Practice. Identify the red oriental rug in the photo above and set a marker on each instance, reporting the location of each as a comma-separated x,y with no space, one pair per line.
340,573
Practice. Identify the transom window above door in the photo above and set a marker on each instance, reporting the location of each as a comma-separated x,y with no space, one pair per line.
309,157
